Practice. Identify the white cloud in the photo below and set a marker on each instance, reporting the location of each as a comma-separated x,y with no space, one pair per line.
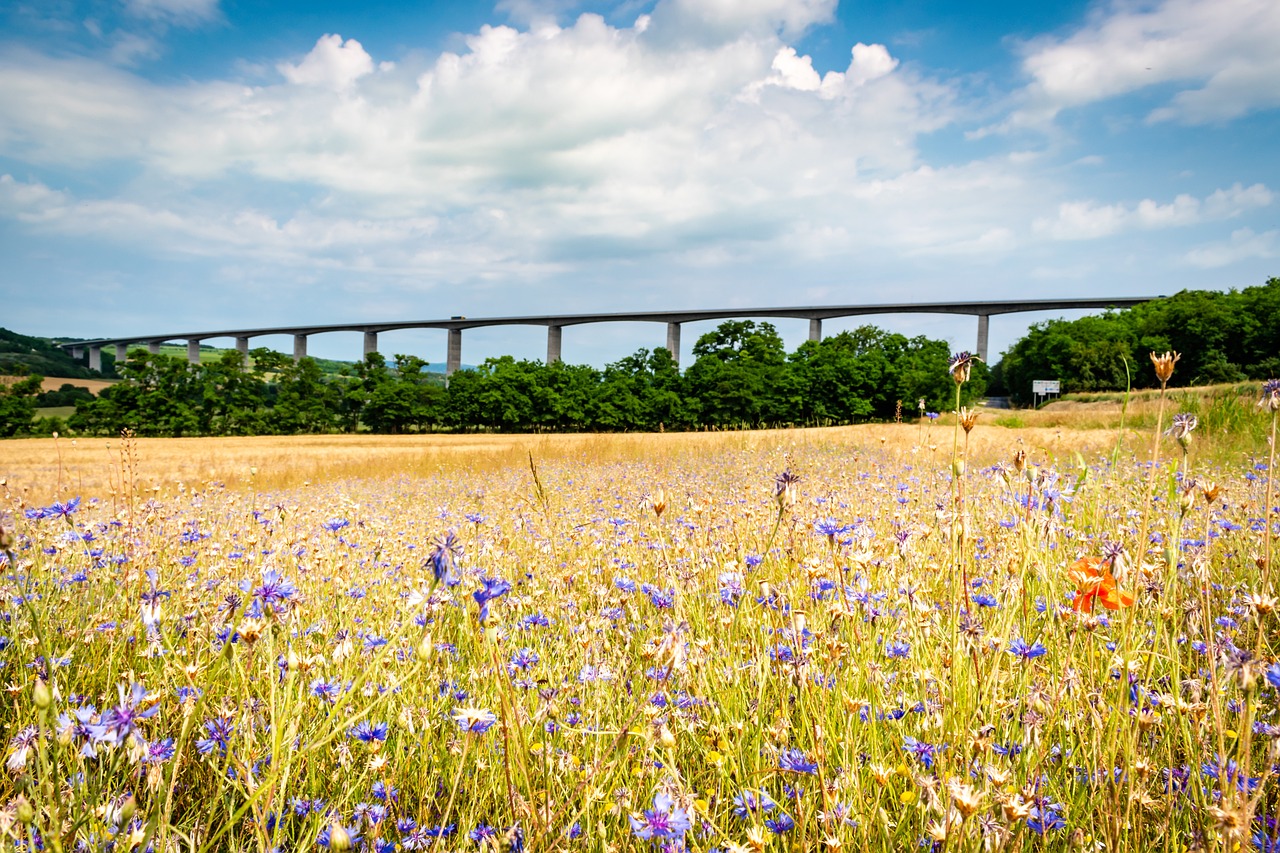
1087,220
720,21
1244,244
181,12
1220,54
332,63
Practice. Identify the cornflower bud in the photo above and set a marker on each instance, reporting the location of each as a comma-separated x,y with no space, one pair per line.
23,811
339,839
41,695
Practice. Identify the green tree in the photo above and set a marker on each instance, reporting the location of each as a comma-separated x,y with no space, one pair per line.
18,405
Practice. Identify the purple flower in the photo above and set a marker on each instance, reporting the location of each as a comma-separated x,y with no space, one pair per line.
443,558
369,732
490,588
795,761
118,723
664,820
924,752
217,736
1020,648
780,824
474,720
751,802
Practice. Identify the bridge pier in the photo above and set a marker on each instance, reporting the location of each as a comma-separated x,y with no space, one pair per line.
673,342
77,353
815,328
554,334
453,358
299,348
153,347
983,323
370,343
193,351
242,347
122,353
95,358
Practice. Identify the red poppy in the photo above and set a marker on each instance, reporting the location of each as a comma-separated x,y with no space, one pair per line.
1094,581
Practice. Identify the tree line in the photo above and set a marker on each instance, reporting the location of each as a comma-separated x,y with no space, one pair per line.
741,377
1229,336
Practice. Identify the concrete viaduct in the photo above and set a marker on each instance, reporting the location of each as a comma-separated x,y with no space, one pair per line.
555,325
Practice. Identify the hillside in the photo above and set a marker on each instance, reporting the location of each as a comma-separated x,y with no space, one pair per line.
22,354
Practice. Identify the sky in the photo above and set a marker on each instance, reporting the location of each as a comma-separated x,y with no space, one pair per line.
189,165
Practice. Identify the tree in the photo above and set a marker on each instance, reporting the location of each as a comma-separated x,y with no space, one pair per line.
18,405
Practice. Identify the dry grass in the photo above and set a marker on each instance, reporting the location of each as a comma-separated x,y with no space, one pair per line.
54,383
44,469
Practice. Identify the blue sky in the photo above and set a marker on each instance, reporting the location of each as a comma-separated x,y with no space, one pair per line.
179,165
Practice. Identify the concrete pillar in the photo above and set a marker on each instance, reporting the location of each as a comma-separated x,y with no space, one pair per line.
815,328
122,353
983,321
370,342
299,347
673,341
153,347
77,353
193,351
553,343
242,347
453,359
95,358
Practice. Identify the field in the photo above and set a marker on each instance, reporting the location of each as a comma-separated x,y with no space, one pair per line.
866,638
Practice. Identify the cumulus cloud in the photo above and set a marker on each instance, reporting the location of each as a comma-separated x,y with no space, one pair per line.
1243,244
1087,220
333,63
1219,55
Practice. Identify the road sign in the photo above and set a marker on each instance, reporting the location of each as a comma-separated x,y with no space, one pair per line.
1046,386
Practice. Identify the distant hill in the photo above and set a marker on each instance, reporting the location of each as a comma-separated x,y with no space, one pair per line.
21,354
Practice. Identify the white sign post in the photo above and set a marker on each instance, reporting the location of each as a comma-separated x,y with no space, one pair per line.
1045,387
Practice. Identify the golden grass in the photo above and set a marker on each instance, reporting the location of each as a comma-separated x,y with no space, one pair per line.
54,383
44,469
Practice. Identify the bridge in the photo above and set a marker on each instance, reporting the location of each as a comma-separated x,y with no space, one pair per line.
555,324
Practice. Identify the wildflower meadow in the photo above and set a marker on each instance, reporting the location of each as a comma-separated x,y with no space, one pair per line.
817,646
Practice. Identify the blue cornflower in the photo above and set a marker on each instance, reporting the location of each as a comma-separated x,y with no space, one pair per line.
116,724
898,649
984,599
490,588
523,659
333,525
780,824
217,736
158,752
751,802
1019,647
665,820
327,691
274,591
62,509
924,752
369,732
443,558
1273,675
474,720
1045,818
795,761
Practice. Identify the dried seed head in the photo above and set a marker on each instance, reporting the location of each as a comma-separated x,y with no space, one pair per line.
1164,365
658,502
968,417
